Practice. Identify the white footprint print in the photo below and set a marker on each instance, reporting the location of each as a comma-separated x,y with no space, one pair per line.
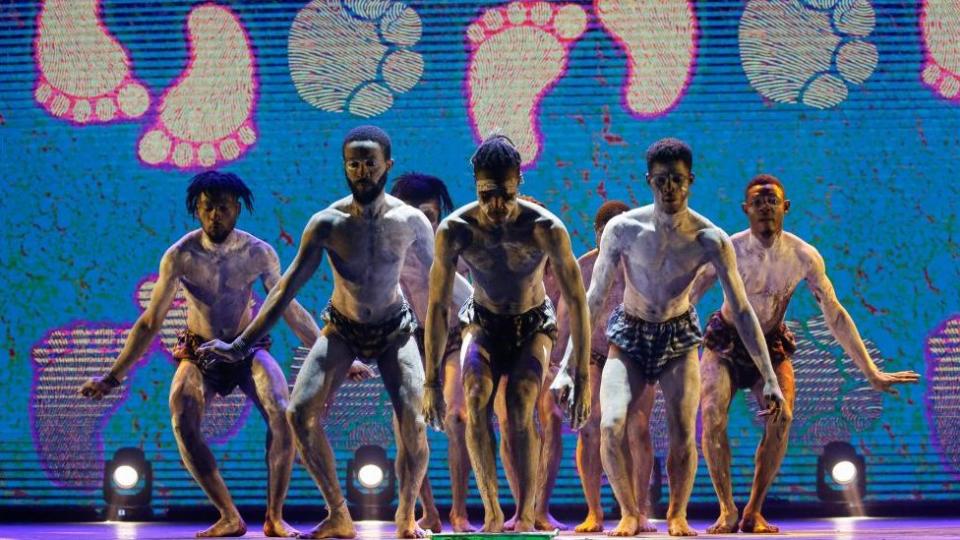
206,117
807,51
354,55
518,53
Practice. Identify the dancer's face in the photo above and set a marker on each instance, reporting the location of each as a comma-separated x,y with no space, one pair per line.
218,215
670,183
366,170
431,209
765,207
497,193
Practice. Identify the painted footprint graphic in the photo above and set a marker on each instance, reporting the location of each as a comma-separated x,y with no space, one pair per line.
517,54
940,25
67,428
83,73
807,51
660,40
354,55
833,399
206,117
942,401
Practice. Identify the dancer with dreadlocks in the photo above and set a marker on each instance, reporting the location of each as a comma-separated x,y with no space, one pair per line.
508,325
367,235
217,267
430,195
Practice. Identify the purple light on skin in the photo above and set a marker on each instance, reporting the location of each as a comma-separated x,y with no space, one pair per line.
942,354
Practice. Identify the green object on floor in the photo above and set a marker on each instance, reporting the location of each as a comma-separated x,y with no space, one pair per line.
491,536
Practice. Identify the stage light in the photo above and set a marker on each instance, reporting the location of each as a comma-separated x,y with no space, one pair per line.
126,476
370,476
128,485
371,483
844,472
841,474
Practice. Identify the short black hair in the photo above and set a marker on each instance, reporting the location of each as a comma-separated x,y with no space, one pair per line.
369,133
418,188
762,179
669,150
496,153
215,182
608,211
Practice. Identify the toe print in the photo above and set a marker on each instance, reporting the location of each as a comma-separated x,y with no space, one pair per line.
354,56
517,54
83,73
807,51
206,117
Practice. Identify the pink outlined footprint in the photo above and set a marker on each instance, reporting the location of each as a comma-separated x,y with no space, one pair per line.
660,41
517,54
67,428
206,117
940,26
83,73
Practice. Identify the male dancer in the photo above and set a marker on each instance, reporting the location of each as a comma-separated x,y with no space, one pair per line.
588,439
772,262
430,195
654,335
508,325
217,267
550,414
366,237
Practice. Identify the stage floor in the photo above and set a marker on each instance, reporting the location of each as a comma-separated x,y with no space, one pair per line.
846,528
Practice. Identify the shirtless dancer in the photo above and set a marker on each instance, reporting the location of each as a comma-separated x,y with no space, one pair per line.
654,335
772,263
217,267
366,237
550,414
588,440
508,325
430,195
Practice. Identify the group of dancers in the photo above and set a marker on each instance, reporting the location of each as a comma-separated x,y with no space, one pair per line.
459,317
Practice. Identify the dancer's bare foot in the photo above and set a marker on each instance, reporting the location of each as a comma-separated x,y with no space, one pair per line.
628,526
592,524
461,524
549,523
645,525
754,523
410,529
679,527
232,526
431,522
523,526
493,523
338,524
278,528
726,523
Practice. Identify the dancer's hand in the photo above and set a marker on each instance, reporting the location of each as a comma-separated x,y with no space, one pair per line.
571,394
883,382
228,352
98,387
360,372
581,402
773,398
433,406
